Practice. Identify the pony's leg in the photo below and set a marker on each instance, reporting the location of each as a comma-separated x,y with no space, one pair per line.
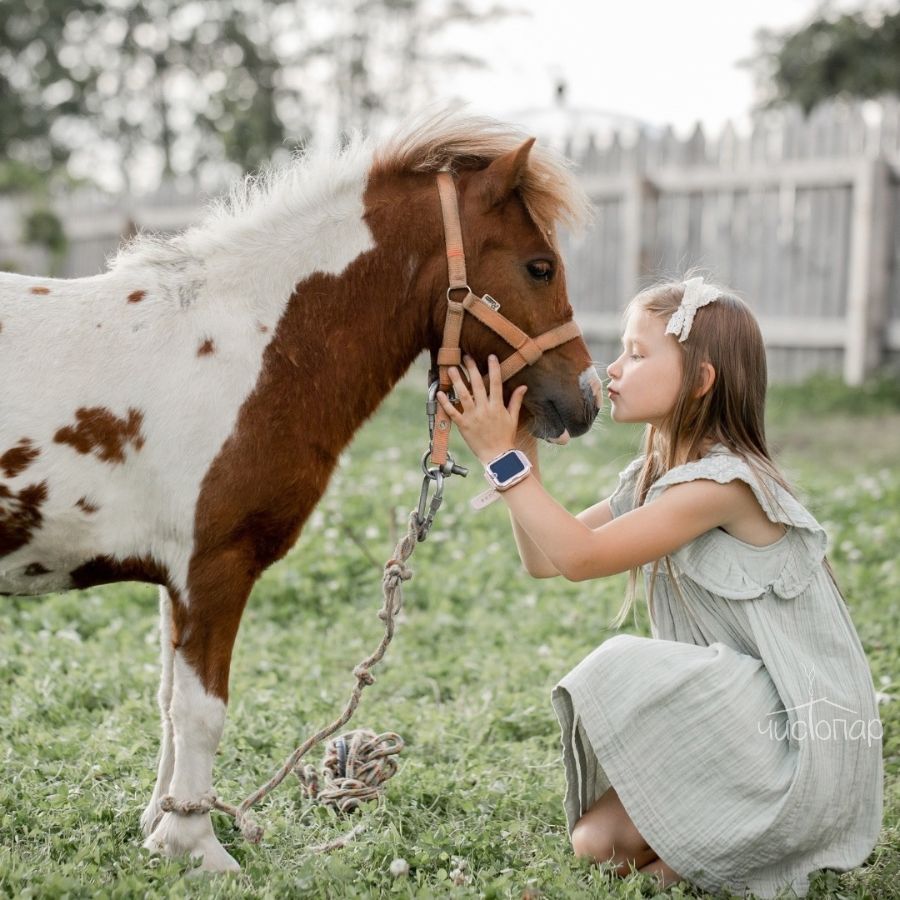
204,631
153,812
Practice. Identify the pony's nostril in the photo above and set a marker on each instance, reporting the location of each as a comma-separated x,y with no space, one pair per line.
591,386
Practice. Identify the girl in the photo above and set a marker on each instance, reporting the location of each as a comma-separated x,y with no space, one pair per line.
739,747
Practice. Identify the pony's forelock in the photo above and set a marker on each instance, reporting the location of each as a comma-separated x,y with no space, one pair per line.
452,141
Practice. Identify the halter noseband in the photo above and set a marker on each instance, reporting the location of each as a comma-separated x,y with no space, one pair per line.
526,350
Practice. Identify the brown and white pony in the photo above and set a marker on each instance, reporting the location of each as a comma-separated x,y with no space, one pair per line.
176,419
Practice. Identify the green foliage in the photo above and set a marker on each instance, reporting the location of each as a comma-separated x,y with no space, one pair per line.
44,227
466,682
830,395
854,55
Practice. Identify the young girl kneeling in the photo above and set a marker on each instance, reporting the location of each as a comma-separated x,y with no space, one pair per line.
739,748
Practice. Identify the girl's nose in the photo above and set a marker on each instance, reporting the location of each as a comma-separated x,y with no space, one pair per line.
612,369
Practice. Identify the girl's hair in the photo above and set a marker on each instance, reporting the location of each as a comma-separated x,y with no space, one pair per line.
726,335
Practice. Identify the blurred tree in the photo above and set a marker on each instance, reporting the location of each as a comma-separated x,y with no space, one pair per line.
853,54
127,91
32,91
128,84
384,57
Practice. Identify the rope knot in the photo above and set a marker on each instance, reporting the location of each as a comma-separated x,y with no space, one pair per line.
395,573
363,675
252,832
203,804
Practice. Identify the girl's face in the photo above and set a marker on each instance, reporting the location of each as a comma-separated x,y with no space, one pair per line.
645,380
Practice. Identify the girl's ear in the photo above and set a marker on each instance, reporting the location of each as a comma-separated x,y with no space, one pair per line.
707,379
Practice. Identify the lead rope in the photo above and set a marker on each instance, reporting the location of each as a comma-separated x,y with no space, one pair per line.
358,763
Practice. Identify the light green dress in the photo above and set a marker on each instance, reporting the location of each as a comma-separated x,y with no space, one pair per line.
743,738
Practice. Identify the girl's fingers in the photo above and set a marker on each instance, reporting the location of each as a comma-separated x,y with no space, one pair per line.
495,379
478,392
459,387
449,408
515,403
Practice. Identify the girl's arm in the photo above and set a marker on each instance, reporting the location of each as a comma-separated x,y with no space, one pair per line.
533,558
683,512
535,561
570,545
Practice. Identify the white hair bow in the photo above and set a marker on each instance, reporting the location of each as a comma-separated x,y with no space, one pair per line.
696,294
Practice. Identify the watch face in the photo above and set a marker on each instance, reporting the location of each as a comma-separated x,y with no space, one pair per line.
507,467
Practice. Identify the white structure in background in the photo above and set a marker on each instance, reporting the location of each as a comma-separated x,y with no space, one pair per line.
575,130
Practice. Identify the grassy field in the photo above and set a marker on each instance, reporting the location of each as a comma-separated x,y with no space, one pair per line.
467,681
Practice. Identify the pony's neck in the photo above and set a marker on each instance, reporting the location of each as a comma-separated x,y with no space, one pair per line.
276,232
345,340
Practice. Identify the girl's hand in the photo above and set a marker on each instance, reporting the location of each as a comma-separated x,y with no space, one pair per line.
487,426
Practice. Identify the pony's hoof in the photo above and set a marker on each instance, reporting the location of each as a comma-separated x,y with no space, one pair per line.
176,835
215,860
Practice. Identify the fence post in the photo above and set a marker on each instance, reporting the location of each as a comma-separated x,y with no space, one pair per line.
867,279
638,222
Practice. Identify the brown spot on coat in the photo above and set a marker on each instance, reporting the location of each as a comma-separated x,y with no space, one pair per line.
207,347
100,431
136,296
40,290
84,506
263,329
18,458
36,568
20,515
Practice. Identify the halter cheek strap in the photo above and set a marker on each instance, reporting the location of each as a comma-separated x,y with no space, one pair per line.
526,350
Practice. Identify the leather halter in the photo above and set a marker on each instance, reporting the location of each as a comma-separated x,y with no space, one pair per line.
526,350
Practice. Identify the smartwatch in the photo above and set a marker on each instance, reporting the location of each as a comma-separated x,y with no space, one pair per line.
507,469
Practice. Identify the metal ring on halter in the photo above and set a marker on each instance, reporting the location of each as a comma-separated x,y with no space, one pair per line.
458,287
450,467
430,471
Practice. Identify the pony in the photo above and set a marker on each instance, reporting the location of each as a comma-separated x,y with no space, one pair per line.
175,419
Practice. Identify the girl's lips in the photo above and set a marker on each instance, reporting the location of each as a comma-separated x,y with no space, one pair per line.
612,394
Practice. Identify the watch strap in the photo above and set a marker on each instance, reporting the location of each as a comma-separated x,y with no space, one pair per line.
485,498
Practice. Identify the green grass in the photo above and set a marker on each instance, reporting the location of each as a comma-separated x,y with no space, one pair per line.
466,681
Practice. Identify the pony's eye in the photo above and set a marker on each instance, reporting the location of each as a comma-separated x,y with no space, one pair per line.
540,269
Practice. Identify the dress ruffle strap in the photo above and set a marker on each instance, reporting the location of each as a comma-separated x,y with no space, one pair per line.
732,568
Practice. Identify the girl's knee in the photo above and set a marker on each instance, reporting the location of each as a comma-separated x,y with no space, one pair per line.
591,840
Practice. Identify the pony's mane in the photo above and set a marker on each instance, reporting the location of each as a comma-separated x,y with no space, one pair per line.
451,141
288,193
428,143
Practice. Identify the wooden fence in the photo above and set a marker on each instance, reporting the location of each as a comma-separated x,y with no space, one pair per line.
798,216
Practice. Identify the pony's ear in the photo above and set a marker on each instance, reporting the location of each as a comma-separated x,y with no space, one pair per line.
503,175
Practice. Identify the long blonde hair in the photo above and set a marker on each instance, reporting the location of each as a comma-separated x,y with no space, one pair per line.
726,335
